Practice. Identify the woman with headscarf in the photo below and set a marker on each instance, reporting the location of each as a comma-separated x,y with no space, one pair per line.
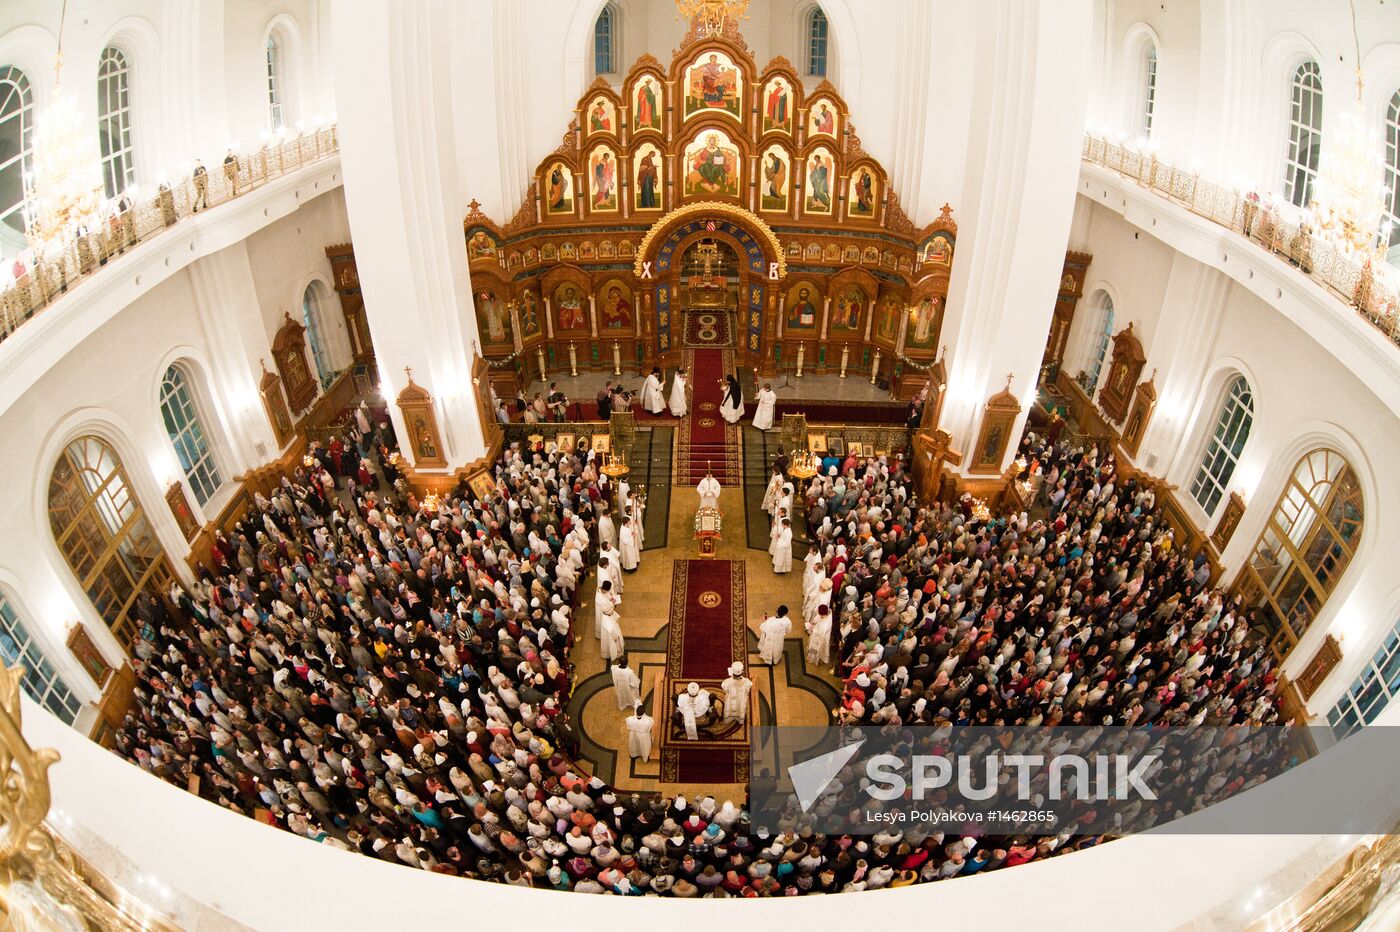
732,408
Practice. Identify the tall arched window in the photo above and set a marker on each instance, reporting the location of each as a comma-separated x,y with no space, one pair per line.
1304,134
1226,442
186,432
816,43
605,41
274,83
1392,172
1305,548
16,151
104,535
311,320
41,681
1101,336
1372,690
1149,89
114,121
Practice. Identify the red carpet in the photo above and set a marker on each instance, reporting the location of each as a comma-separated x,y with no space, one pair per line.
708,632
707,328
707,440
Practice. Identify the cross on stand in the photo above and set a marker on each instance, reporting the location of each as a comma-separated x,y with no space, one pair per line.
932,451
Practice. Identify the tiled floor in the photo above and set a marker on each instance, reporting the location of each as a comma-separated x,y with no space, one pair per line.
790,694
584,387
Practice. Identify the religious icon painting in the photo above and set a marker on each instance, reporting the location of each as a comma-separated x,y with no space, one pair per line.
776,183
602,180
821,171
777,105
822,118
887,320
831,253
492,318
712,165
480,245
565,441
626,249
601,116
860,199
848,312
713,84
530,322
549,253
558,189
800,307
602,443
587,250
607,249
646,104
568,305
851,255
816,443
794,250
647,170
923,324
615,305
855,448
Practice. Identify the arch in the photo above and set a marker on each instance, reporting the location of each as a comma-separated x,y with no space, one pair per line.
1390,215
760,245
312,304
1304,133
1097,336
283,33
114,123
183,414
1282,55
605,45
31,49
17,111
1138,73
816,39
43,681
1226,437
138,40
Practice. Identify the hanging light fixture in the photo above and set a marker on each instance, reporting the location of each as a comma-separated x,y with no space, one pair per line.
63,188
712,14
1349,197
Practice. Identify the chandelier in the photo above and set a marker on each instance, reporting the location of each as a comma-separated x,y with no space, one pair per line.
63,188
712,15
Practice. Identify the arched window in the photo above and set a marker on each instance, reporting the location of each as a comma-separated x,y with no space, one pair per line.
16,151
605,41
311,320
186,432
114,121
1149,89
816,43
41,681
104,535
1101,336
274,83
1306,546
1223,448
1392,173
1304,134
1371,691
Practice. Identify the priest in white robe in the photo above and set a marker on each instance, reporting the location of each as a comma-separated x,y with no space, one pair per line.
607,531
819,638
604,603
773,492
771,634
611,643
626,683
782,549
629,554
820,596
612,570
709,489
639,729
693,704
736,693
767,402
678,398
653,398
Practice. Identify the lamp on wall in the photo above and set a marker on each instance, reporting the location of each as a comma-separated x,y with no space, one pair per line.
713,14
63,189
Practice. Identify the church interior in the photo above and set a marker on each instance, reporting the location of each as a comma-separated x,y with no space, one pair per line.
452,444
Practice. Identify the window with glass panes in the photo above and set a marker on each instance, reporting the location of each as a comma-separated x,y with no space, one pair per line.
1102,336
1304,134
1226,443
114,121
1371,692
274,83
186,431
1392,171
604,41
16,154
1149,88
817,29
311,319
41,682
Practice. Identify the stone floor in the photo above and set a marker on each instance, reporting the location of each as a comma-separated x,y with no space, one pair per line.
584,387
790,694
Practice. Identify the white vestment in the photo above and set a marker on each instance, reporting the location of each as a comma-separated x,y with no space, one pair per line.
709,489
639,728
652,397
782,551
692,708
736,697
767,401
773,492
604,603
613,571
630,556
819,598
819,641
611,643
627,685
607,531
732,409
770,638
678,396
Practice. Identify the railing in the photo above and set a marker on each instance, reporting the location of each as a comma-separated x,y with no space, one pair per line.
1370,289
45,281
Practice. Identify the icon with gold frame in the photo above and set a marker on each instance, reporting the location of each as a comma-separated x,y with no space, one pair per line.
836,446
483,485
816,443
565,441
855,448
602,443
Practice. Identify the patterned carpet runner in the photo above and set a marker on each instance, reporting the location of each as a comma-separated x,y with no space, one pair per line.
707,440
708,632
707,327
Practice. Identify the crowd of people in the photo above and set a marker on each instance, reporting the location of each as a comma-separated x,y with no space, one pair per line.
373,674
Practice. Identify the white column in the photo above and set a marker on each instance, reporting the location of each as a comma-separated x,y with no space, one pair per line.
405,199
1017,203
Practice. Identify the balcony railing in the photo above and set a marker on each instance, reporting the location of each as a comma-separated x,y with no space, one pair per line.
1367,284
45,281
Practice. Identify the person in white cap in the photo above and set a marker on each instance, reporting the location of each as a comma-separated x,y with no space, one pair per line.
736,693
639,728
626,683
693,704
771,634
